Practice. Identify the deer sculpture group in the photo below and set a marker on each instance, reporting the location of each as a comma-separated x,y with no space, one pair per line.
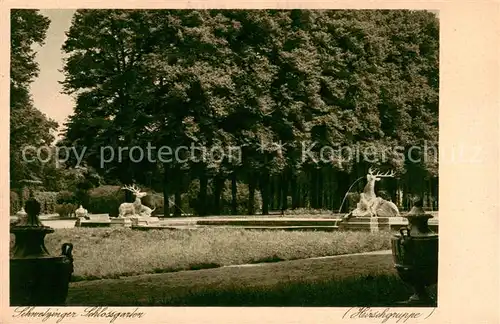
135,208
371,205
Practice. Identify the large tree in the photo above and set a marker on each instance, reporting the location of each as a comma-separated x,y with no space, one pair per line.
362,79
28,125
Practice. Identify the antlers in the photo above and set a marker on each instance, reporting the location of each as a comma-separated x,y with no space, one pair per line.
132,188
388,174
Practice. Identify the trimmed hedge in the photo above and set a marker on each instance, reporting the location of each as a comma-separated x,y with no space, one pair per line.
105,200
47,200
66,209
65,197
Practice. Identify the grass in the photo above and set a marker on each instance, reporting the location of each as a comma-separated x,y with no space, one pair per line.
358,280
370,291
119,252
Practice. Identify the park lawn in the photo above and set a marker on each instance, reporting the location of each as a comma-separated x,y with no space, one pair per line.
352,280
118,252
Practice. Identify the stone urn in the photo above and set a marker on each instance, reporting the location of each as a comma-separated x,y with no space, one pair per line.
36,277
81,212
20,217
415,255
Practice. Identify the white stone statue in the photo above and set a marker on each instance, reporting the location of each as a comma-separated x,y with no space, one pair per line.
136,208
371,205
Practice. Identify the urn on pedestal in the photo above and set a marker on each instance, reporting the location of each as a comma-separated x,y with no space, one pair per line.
415,255
36,277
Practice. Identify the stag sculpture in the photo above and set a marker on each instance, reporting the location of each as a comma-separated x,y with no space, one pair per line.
371,205
145,211
135,208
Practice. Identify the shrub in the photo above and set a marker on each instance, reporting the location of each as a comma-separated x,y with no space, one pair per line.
65,209
15,203
65,196
47,200
105,200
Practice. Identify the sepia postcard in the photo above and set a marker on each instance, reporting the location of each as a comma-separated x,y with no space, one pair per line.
275,162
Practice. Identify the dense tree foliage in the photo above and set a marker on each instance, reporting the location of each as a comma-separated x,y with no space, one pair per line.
357,79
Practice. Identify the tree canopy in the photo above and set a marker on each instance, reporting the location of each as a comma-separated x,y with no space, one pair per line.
358,79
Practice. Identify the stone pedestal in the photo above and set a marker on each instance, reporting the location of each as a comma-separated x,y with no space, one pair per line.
371,224
120,222
37,278
81,212
99,220
415,253
144,221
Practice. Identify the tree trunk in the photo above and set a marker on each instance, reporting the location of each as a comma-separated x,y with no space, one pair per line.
251,196
314,190
306,191
333,192
358,173
271,193
234,190
300,203
399,195
279,192
166,191
436,193
429,193
319,181
422,188
218,187
178,203
284,193
328,185
264,190
295,191
407,193
328,189
202,194
127,179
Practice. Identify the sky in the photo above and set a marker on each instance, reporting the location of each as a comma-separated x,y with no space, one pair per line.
46,90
